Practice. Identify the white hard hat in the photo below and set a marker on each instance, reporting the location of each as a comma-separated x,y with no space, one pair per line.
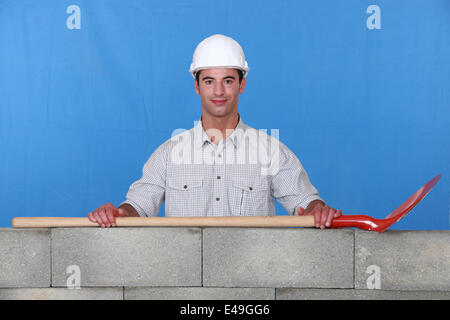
218,51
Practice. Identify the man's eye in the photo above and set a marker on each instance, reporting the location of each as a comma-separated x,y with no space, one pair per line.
228,81
208,82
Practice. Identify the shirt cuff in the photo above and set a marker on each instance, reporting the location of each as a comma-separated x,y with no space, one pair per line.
139,210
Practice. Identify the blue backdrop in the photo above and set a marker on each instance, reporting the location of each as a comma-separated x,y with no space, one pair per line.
360,91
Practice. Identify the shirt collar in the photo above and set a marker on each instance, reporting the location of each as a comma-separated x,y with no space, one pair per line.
235,137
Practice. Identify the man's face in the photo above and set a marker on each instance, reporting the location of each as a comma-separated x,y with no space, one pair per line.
219,90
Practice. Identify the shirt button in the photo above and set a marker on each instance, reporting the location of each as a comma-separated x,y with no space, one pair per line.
217,199
250,188
185,186
218,177
219,155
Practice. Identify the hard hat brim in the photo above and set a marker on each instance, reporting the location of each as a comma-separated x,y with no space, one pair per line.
194,71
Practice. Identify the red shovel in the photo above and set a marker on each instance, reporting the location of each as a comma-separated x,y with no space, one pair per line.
380,225
358,221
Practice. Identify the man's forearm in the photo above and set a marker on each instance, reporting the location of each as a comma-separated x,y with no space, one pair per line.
130,211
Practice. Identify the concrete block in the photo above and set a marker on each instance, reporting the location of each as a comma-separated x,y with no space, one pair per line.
62,294
128,256
353,294
277,257
200,293
403,260
24,258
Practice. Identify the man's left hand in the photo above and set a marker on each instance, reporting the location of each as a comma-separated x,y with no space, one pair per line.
323,214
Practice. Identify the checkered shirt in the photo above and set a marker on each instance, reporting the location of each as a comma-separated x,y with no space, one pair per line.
241,176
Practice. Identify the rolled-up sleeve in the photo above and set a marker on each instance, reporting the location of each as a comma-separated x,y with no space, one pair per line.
291,185
147,194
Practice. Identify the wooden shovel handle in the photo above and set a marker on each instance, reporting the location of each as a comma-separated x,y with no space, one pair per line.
260,221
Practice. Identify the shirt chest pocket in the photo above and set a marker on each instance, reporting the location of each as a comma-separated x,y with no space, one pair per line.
185,196
252,198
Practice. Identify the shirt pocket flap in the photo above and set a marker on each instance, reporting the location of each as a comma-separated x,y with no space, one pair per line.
184,184
255,186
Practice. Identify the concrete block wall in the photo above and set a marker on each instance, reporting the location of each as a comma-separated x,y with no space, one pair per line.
223,263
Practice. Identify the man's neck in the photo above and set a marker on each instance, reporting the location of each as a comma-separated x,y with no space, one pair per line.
225,126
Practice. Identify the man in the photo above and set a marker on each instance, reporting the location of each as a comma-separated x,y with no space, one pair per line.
211,170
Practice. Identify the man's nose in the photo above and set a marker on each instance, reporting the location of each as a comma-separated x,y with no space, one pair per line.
219,89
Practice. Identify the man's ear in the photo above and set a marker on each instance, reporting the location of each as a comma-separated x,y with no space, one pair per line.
242,85
197,89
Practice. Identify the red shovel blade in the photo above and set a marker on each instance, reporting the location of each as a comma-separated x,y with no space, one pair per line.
409,204
380,225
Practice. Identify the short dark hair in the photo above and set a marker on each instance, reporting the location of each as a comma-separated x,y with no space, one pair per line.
240,73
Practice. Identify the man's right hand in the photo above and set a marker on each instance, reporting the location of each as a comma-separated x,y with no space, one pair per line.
106,215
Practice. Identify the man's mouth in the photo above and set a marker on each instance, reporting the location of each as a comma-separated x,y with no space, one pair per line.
219,102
